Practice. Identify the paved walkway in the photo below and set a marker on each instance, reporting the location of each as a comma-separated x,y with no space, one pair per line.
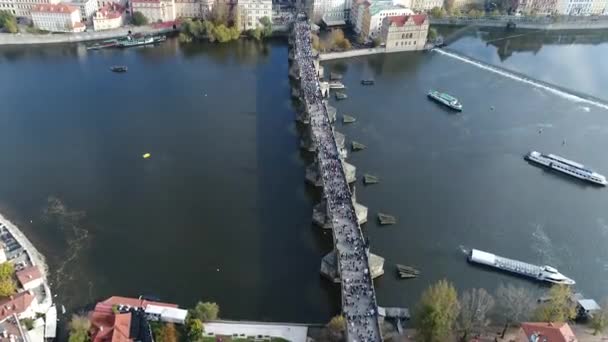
358,296
293,333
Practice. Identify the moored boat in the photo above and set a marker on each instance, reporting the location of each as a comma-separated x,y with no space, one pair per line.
367,82
348,119
356,146
341,96
386,219
445,99
566,166
119,68
103,45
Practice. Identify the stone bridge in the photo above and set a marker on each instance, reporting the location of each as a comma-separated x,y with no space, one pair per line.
350,263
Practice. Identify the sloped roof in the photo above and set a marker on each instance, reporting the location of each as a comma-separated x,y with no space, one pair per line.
28,274
400,20
552,332
15,304
54,8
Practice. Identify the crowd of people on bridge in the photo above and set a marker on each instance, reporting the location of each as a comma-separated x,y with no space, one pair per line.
358,296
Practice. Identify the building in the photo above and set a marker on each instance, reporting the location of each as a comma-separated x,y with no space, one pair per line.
104,3
426,5
466,5
541,7
8,6
30,277
23,8
251,11
109,17
330,12
599,7
57,18
189,9
155,10
374,15
550,332
405,32
87,9
581,7
22,304
126,319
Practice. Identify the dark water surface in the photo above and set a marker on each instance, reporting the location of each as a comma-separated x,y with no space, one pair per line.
221,212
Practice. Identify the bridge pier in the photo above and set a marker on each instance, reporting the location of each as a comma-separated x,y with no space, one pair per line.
313,173
320,215
330,270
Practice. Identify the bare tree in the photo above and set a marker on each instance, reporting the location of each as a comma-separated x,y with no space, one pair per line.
474,307
516,304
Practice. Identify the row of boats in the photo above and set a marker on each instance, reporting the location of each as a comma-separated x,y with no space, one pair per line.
128,41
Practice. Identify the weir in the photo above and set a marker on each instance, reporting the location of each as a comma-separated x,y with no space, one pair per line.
350,263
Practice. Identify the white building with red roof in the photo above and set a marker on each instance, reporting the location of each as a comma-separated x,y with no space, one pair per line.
374,14
405,32
155,10
57,18
550,332
109,17
30,277
23,305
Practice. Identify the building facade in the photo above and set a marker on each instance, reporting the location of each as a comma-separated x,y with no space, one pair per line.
109,17
540,7
252,11
155,10
87,9
405,32
23,8
57,18
426,5
468,4
374,15
331,12
189,9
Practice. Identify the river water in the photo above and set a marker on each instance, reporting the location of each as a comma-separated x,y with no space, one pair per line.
221,212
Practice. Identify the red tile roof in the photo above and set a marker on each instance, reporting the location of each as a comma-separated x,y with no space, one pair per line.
400,20
553,332
111,11
122,328
132,302
150,1
28,274
51,8
15,304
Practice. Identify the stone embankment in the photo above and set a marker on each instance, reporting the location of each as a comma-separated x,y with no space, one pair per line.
56,38
536,23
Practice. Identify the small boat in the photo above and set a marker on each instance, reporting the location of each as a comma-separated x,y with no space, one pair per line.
566,166
341,96
335,76
407,275
348,119
367,82
386,219
407,269
146,155
118,68
355,146
445,99
369,179
336,85
140,41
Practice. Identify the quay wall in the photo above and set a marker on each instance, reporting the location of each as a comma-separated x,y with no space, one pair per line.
57,38
540,23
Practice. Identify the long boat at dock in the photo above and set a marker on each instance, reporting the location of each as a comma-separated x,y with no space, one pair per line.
541,273
566,166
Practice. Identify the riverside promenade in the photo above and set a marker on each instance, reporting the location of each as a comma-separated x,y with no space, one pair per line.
359,305
56,38
535,23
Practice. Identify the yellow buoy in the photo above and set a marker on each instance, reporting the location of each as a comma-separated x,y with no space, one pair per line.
146,155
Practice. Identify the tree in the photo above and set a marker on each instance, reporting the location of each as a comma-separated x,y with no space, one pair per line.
7,285
437,12
169,333
436,312
432,34
449,5
599,321
473,13
559,308
219,13
474,307
255,33
206,311
195,329
184,38
516,304
6,270
267,27
336,327
377,42
8,22
139,19
79,329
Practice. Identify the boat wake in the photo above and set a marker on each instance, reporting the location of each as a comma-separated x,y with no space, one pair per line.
464,250
522,78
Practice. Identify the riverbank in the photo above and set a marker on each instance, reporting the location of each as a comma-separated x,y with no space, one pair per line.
57,38
536,23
